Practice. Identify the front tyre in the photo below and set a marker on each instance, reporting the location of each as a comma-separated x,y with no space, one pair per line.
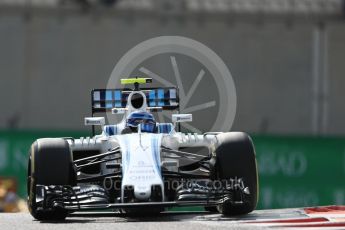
235,158
50,163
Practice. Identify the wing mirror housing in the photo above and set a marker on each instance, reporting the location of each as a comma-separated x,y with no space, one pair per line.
178,118
94,121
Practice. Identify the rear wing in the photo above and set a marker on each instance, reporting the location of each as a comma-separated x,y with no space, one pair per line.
104,100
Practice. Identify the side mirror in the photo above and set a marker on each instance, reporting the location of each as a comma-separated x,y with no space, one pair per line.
176,118
94,121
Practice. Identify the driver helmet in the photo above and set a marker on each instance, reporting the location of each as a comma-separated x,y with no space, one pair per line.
145,119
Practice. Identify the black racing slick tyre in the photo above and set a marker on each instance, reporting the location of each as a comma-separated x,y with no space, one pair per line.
235,158
50,163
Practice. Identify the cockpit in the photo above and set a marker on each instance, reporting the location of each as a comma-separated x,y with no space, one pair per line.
141,120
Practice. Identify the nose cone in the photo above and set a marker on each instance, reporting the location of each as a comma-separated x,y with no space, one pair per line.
142,192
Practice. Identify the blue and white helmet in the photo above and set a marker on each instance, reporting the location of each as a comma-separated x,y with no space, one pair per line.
147,121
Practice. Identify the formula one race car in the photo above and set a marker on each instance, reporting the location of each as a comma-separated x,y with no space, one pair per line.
141,166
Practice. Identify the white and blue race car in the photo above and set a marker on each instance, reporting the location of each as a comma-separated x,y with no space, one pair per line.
139,165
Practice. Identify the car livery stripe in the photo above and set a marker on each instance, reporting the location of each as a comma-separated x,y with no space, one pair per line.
128,155
123,141
155,141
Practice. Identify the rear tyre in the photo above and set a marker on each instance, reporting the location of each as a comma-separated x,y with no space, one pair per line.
235,158
50,163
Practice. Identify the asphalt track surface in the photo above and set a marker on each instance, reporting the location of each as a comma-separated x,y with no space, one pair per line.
166,221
